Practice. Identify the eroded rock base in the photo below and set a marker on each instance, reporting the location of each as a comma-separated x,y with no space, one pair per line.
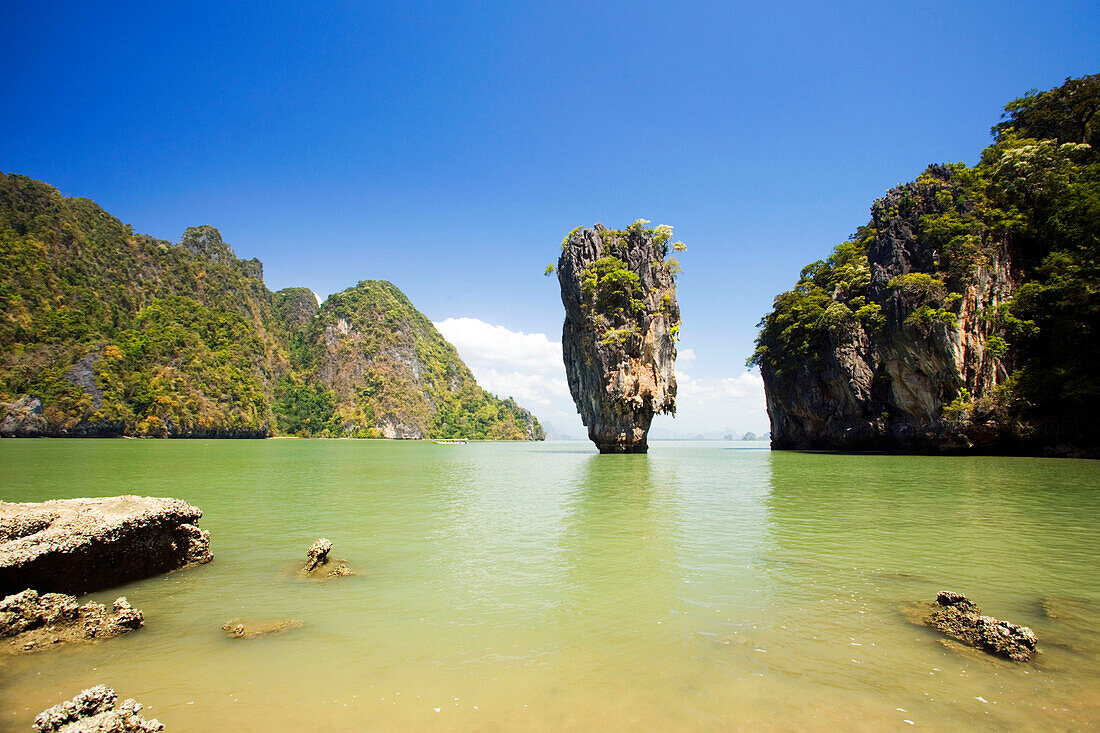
94,711
642,447
30,621
82,545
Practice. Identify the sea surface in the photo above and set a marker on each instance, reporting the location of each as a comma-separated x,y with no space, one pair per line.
518,586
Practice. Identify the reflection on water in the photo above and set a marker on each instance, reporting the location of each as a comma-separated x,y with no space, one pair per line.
702,586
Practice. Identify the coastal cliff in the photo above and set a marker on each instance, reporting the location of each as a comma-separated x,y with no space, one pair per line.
964,317
621,322
105,332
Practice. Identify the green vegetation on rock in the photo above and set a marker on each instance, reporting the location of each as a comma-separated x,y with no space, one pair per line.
1031,205
119,333
612,295
392,374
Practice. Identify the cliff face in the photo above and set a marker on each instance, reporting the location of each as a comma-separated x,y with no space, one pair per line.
966,315
884,381
104,332
621,321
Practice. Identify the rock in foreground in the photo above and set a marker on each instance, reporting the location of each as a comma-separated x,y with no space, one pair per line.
957,616
81,545
621,321
94,711
29,621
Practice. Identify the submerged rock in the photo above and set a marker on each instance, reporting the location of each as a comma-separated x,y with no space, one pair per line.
957,616
1075,624
250,629
621,322
30,621
318,563
93,711
82,545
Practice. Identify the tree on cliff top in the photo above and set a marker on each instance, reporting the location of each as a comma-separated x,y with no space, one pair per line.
1036,188
1068,114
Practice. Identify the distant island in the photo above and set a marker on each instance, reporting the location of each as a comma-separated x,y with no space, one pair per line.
105,332
965,316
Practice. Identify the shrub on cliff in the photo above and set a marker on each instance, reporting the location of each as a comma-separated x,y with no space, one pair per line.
1035,194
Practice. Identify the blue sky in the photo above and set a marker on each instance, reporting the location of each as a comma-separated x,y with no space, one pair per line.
448,147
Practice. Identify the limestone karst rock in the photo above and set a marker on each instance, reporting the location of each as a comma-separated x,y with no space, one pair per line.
619,337
31,621
964,316
885,381
82,545
318,565
106,332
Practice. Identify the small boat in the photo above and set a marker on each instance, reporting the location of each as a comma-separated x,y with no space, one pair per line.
450,441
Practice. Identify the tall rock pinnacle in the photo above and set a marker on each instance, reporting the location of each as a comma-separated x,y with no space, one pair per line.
621,322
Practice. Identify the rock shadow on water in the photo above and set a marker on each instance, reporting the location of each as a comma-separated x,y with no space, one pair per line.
619,540
1072,624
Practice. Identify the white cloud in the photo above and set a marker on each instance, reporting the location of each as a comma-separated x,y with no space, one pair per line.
527,366
719,403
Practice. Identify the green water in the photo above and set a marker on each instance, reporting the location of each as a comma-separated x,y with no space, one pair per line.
705,586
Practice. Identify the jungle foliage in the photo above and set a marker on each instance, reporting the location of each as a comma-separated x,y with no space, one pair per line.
1035,190
612,295
121,333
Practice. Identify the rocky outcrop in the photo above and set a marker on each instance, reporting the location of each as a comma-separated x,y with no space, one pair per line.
899,352
31,622
318,553
93,711
957,616
621,321
295,307
24,419
81,545
206,242
317,563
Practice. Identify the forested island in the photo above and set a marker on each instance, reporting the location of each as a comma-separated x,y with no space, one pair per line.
965,316
106,332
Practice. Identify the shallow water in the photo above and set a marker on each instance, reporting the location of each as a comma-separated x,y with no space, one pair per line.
705,586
